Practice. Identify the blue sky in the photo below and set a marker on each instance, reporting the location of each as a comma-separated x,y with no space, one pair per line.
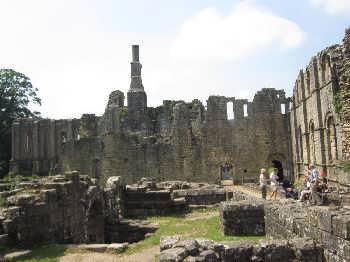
78,51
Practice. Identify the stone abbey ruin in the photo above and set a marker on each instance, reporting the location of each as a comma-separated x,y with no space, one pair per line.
99,173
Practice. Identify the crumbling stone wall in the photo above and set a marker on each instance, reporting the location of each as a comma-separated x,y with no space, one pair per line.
319,112
37,144
175,141
242,218
178,249
328,226
344,82
190,143
59,209
168,197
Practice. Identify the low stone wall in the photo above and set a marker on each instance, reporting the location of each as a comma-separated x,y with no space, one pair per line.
242,218
328,226
129,231
139,202
177,249
151,198
202,196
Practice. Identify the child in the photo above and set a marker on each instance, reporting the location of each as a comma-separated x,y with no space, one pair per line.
274,183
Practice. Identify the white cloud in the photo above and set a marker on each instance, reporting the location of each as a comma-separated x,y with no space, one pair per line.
246,30
333,6
75,62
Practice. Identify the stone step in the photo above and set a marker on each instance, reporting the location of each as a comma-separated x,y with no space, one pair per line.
101,248
17,255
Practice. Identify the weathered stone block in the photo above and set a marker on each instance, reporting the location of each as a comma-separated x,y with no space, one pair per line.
341,226
242,218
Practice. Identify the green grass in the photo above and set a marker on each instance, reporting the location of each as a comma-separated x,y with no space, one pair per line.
201,227
2,201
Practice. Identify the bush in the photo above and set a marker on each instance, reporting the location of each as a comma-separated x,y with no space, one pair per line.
338,101
346,165
3,201
123,112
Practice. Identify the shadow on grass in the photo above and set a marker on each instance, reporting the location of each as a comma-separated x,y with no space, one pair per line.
47,253
172,215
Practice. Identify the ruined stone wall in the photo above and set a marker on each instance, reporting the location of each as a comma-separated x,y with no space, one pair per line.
175,141
176,248
83,155
242,218
316,115
37,144
187,142
328,226
60,209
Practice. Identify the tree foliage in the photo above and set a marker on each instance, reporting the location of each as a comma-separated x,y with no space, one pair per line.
17,94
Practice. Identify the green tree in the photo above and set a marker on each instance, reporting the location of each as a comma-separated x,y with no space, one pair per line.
17,94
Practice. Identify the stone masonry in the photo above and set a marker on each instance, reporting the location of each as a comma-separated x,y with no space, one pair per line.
242,218
319,113
175,141
175,249
58,209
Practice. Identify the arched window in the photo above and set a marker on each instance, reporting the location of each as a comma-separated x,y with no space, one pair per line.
230,113
283,109
312,142
26,145
331,139
301,147
308,83
245,110
63,137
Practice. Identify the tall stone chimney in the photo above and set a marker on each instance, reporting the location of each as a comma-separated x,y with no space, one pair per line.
136,80
137,98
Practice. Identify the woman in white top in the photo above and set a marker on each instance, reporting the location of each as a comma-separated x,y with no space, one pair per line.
263,182
274,183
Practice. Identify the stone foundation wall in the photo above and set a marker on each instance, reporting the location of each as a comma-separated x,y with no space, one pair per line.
151,198
177,249
139,202
201,196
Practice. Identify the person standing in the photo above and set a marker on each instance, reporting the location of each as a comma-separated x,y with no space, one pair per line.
263,182
315,198
274,182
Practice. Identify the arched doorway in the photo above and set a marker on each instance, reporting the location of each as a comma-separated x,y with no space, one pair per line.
95,227
278,164
226,173
312,142
279,161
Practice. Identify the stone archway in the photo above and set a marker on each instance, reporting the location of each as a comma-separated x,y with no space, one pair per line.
95,225
278,161
226,173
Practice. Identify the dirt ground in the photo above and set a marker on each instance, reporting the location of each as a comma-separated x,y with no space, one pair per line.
146,255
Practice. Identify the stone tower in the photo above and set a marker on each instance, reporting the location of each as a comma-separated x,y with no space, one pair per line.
137,98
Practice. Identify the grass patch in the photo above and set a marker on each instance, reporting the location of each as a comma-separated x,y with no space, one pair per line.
201,226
